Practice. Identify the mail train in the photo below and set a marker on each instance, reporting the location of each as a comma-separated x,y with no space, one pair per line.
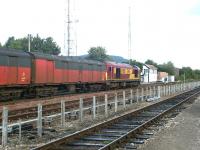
32,74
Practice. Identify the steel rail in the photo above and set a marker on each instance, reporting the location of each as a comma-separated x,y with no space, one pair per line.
114,143
130,133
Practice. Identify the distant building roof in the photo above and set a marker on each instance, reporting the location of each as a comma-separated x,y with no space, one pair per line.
151,67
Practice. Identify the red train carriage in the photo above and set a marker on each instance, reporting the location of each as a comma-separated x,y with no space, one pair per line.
80,70
15,71
70,73
49,69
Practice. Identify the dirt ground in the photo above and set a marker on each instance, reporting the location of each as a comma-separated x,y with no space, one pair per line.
181,133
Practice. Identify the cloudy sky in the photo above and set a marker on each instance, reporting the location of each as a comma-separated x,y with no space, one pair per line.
162,30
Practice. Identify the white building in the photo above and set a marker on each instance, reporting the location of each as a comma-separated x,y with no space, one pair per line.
149,73
171,78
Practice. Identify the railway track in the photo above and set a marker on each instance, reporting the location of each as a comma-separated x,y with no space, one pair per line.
31,112
64,94
54,107
119,130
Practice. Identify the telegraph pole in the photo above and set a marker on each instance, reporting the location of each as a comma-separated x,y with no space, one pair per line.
29,42
68,28
129,35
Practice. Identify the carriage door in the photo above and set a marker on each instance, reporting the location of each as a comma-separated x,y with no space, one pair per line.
50,71
80,72
90,73
109,72
13,73
117,73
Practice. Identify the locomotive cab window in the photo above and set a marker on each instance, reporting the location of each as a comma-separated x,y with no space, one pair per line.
136,73
110,69
118,73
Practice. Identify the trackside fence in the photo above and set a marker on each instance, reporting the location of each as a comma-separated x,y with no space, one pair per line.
103,106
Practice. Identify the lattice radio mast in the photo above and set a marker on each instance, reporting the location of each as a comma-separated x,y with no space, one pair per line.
68,28
70,34
129,35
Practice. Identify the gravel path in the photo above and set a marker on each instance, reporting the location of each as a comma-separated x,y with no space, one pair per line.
182,133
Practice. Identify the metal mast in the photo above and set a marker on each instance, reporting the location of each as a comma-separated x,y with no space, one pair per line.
29,42
68,29
129,35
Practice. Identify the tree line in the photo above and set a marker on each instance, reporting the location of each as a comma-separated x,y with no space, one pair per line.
49,46
185,73
44,45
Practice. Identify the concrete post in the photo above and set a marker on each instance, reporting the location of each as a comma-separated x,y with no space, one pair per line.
169,89
142,94
4,126
131,91
20,129
161,88
150,92
174,88
147,92
81,110
62,113
39,121
164,91
94,107
106,105
116,102
154,91
167,92
124,99
162,94
137,95
181,87
158,91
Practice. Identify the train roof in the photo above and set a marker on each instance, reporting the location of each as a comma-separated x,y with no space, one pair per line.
79,59
65,58
118,64
13,52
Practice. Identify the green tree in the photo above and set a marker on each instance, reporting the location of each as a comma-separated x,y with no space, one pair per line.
167,67
0,45
49,46
98,53
137,63
151,62
9,42
37,44
187,73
